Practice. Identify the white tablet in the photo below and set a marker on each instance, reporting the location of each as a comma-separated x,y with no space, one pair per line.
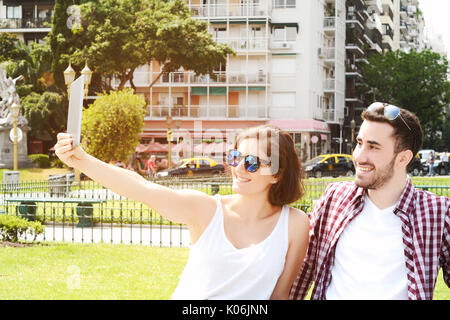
75,109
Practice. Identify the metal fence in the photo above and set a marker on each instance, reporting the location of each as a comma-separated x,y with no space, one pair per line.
85,212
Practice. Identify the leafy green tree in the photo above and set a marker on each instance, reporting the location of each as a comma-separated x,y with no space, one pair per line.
121,35
417,81
112,124
44,114
65,37
8,47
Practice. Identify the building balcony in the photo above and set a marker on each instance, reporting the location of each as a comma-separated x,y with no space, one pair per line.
354,48
32,23
329,115
329,23
206,112
329,84
190,78
353,19
244,45
228,10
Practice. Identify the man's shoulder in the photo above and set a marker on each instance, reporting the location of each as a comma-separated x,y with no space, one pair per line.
427,196
336,188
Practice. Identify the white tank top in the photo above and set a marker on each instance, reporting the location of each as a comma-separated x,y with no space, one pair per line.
218,270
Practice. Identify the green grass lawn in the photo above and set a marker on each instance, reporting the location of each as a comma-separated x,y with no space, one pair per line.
94,271
99,271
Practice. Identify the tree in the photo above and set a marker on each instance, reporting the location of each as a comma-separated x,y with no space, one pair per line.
417,81
65,37
122,35
44,114
112,124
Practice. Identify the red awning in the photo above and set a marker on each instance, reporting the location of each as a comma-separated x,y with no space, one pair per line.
152,147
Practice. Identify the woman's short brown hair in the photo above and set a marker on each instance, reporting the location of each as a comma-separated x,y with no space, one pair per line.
280,149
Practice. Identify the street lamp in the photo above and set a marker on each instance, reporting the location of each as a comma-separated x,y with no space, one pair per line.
169,138
69,76
353,126
87,78
15,110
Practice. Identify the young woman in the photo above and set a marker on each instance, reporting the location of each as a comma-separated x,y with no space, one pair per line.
248,245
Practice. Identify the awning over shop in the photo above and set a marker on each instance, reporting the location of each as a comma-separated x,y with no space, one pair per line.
152,147
301,125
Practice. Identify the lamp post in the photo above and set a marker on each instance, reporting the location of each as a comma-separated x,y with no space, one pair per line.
169,138
69,76
87,78
353,126
15,110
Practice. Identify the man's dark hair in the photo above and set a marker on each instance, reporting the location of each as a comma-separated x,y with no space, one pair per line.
406,139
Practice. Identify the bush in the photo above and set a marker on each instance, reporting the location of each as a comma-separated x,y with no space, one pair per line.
41,160
57,163
12,228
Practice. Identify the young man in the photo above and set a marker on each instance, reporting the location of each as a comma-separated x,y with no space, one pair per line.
378,237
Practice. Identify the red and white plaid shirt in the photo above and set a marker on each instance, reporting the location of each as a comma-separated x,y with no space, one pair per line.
426,237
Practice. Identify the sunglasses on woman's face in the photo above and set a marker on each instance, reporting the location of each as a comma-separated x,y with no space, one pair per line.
251,163
391,112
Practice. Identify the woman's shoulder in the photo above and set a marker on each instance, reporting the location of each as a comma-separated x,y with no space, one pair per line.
298,221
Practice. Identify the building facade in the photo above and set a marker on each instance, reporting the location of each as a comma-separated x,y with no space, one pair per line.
297,66
28,20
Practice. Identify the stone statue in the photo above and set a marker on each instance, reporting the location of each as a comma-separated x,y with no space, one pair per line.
8,95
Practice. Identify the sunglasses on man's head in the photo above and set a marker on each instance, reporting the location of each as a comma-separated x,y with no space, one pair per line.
251,163
391,112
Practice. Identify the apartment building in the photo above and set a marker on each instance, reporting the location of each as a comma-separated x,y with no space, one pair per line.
297,66
288,71
411,26
29,20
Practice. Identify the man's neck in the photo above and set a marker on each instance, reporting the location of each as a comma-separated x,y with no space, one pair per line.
388,195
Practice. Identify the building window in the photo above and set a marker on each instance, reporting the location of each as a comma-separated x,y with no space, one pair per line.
13,12
284,65
283,100
284,33
284,3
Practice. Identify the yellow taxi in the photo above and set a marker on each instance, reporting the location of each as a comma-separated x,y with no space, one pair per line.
193,166
334,165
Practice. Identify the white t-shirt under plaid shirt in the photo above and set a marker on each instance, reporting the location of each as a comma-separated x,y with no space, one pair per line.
425,231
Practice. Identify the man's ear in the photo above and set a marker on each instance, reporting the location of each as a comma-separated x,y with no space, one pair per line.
404,158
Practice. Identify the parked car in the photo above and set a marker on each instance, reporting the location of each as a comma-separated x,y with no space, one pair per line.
416,167
193,166
439,166
330,165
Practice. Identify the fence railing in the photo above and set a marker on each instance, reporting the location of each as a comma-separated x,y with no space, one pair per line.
86,212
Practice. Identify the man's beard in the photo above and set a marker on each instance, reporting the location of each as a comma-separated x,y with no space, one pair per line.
381,177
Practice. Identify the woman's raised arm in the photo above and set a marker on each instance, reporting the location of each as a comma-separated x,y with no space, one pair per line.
190,207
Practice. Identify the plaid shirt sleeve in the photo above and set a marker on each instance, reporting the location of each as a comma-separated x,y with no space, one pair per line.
445,249
307,273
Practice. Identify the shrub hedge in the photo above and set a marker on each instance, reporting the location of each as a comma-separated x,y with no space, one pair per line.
12,228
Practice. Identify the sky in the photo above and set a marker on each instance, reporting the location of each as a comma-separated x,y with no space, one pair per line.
437,16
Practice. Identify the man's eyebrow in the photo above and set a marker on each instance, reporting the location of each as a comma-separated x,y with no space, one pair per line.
369,141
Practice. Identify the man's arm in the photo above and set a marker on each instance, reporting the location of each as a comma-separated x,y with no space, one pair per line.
445,249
